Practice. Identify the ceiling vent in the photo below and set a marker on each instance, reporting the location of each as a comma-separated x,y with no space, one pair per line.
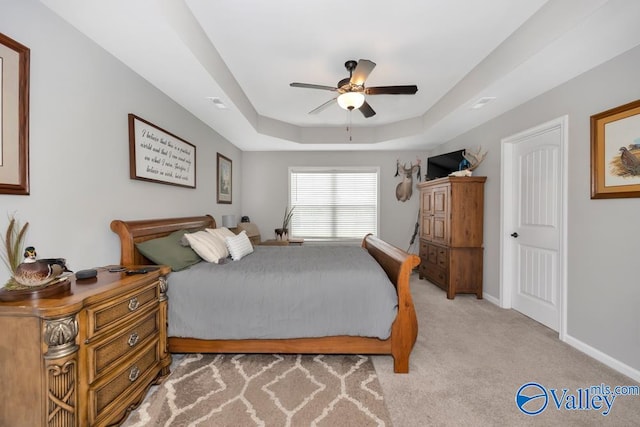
218,103
482,102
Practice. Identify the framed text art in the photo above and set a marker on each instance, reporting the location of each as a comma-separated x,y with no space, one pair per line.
615,152
159,156
14,117
224,180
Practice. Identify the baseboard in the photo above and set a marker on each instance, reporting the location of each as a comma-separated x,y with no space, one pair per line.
615,364
491,299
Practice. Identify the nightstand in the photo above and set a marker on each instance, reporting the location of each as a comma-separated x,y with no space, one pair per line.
86,356
252,231
290,242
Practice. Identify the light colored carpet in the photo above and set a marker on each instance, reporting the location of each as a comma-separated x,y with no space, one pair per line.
470,359
266,390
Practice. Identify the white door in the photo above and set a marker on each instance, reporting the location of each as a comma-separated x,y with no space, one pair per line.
533,222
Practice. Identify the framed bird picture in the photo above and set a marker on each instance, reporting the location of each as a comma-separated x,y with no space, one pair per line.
615,152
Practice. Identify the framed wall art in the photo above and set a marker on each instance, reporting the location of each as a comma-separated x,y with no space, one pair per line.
14,117
615,152
156,155
224,179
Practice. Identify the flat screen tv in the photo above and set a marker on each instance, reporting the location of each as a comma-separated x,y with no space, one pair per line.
443,164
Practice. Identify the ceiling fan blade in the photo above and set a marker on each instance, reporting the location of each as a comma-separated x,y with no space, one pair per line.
366,110
323,106
362,71
392,90
312,86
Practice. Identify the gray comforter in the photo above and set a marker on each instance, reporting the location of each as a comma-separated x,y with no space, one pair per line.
284,292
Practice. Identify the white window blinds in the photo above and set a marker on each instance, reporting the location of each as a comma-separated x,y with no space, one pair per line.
333,203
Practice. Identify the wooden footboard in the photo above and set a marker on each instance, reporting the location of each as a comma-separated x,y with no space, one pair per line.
396,263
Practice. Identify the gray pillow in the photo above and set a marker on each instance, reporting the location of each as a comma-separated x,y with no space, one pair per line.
168,251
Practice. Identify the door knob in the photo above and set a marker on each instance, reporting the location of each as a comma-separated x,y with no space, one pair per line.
514,234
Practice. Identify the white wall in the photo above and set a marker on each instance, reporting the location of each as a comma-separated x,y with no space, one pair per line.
79,100
603,235
265,189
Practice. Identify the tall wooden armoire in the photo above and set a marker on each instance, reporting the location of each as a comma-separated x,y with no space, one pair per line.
451,223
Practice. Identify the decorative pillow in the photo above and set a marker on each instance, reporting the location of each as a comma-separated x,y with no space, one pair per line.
168,251
239,246
211,248
221,232
184,241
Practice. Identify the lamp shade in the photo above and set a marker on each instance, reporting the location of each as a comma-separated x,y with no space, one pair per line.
229,221
351,100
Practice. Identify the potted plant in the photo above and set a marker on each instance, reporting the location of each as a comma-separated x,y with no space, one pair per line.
283,233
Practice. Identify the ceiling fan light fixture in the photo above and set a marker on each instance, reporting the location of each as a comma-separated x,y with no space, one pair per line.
351,100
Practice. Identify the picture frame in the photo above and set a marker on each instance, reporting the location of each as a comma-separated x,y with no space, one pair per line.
156,155
224,180
14,119
615,152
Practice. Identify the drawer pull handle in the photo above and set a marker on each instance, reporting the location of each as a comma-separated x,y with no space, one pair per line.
133,339
133,304
134,373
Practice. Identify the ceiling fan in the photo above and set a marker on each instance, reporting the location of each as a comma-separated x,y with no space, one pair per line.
352,90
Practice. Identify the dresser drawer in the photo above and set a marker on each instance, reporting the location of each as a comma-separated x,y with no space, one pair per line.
437,276
422,268
432,254
106,395
442,256
424,247
104,315
101,355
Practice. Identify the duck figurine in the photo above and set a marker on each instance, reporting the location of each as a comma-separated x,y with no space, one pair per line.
37,272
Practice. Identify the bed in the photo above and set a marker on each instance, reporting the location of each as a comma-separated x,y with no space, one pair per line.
396,263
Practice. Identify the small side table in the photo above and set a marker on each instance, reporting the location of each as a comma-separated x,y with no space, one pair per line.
290,242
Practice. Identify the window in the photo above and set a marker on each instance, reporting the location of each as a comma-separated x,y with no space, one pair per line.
333,203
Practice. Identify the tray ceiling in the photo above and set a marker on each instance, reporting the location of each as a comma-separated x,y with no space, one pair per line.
245,54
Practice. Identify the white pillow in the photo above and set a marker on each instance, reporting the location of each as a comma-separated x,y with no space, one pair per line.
210,248
221,232
239,246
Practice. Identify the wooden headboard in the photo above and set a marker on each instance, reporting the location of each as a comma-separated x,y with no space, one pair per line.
132,232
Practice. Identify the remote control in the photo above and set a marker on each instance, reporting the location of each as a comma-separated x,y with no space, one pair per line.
142,271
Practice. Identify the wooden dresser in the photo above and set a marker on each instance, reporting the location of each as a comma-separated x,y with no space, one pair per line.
451,223
87,356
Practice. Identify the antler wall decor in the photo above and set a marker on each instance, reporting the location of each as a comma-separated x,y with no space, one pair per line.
474,160
405,188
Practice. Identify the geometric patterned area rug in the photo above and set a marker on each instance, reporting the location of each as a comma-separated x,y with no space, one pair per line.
266,390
